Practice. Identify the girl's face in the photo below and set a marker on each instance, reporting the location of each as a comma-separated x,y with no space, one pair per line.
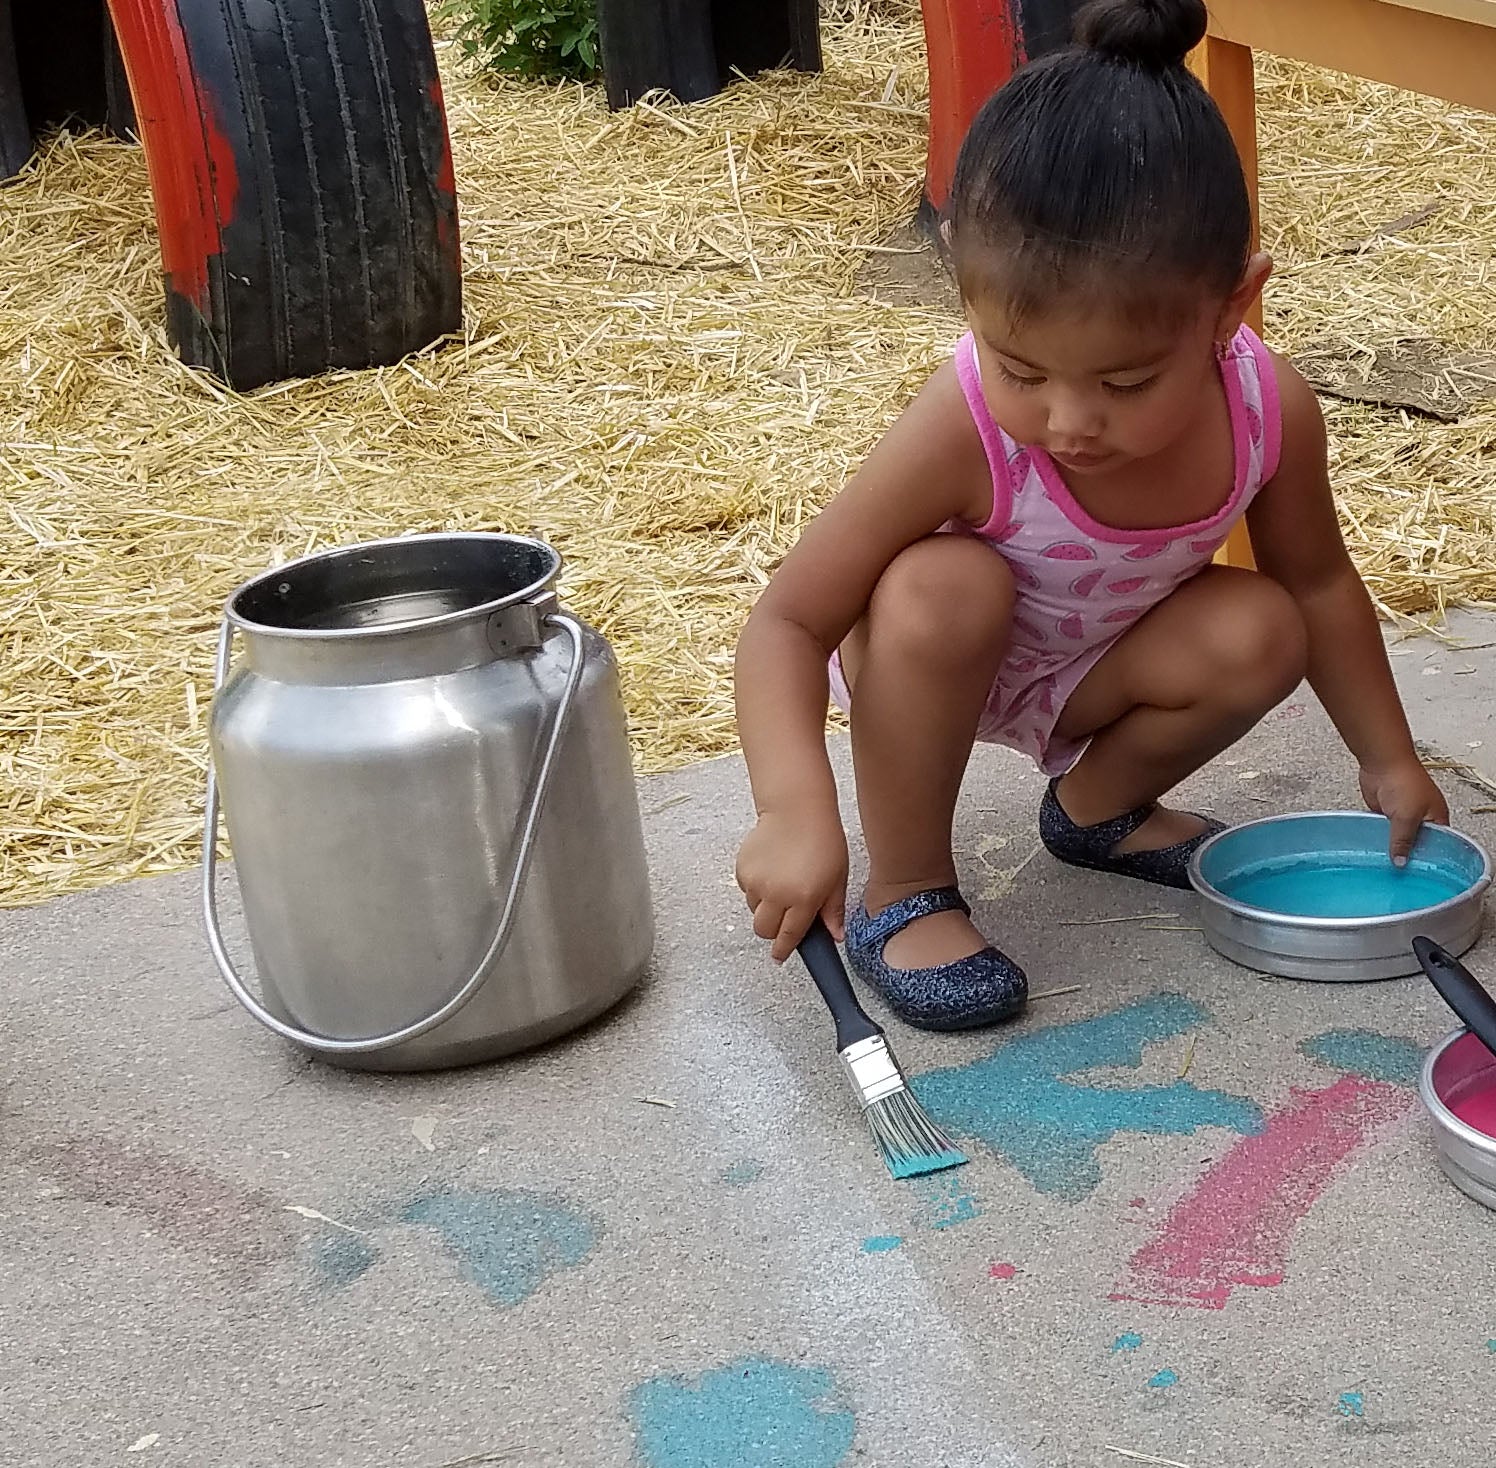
1093,388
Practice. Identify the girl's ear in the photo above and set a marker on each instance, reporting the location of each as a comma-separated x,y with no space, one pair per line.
1240,301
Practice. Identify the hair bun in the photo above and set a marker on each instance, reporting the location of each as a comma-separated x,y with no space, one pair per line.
1152,33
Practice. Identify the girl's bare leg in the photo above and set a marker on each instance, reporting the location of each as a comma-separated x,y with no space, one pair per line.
1186,683
921,664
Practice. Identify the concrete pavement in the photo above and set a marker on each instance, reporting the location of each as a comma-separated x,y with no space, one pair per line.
1202,1221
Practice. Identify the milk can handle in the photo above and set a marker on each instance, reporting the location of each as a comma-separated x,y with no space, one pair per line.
330,1044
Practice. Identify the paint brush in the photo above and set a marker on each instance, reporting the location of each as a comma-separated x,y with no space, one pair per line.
910,1142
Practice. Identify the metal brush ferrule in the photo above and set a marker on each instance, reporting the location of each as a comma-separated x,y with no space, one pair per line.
874,1071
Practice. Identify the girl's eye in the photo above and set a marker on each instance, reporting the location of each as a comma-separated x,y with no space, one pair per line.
1130,387
1012,377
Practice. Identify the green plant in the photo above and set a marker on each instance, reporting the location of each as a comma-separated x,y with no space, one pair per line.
535,38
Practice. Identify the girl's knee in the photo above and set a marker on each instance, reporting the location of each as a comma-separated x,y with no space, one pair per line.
1260,649
945,596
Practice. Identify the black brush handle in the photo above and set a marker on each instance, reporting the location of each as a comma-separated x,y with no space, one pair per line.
1460,990
819,953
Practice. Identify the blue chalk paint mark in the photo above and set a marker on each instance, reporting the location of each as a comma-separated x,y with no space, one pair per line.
1050,1129
507,1243
741,1174
1387,1058
1164,1378
881,1243
341,1259
944,1202
1491,1347
1351,1404
758,1412
1129,1341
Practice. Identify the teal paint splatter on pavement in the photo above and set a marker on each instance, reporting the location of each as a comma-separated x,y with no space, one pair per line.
742,1174
1019,1103
507,1243
1389,1058
944,1201
1491,1346
1128,1341
881,1243
341,1259
1351,1404
1164,1378
752,1413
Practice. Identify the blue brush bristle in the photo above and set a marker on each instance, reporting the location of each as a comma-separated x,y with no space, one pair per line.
910,1142
931,1162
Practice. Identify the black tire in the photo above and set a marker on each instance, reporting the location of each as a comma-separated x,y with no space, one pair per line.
648,45
691,48
119,105
327,232
15,127
753,38
66,56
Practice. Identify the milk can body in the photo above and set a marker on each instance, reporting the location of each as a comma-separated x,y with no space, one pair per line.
381,753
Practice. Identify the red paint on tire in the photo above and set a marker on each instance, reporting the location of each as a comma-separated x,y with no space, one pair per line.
194,176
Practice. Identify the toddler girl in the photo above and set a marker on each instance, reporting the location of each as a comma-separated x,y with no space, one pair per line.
1026,556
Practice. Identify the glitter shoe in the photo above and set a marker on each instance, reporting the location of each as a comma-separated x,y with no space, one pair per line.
979,990
1093,846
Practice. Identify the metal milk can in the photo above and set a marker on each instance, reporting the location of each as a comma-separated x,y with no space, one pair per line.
425,772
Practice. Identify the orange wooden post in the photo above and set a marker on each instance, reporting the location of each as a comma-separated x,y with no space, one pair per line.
1226,70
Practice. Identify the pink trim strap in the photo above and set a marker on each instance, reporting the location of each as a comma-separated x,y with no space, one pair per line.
1272,407
969,375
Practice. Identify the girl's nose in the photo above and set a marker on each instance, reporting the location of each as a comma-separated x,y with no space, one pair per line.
1074,418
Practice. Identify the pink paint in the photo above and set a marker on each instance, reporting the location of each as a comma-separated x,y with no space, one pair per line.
1477,1109
1138,1203
1003,1271
1235,1228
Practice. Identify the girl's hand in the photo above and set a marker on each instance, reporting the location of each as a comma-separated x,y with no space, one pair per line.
1406,794
790,868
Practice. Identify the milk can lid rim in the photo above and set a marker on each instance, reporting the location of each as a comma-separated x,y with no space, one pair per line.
390,629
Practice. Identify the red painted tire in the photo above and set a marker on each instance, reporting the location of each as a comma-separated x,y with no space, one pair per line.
302,174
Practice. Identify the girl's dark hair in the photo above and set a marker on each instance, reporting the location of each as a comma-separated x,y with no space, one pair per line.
1104,168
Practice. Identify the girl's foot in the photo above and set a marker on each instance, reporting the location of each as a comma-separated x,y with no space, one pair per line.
975,984
1163,828
1150,843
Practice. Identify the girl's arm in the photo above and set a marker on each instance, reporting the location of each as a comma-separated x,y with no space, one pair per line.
928,469
1297,540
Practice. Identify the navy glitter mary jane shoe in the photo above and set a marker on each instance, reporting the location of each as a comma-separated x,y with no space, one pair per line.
1093,846
980,990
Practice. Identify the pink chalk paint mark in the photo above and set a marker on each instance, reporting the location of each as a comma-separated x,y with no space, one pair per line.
1138,1203
1003,1271
1235,1228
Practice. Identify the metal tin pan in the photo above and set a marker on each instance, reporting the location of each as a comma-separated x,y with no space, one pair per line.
1336,949
1455,1067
